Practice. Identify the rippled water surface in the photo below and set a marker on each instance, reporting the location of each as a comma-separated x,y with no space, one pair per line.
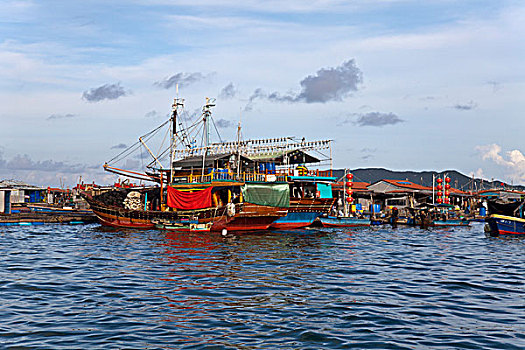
93,288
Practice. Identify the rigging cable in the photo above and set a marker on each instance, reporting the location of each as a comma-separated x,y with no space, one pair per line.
137,144
217,131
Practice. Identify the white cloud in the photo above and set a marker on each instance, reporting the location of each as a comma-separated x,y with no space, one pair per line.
273,6
513,161
479,173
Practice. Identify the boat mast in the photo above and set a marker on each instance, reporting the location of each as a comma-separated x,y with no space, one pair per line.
331,164
345,203
174,113
206,115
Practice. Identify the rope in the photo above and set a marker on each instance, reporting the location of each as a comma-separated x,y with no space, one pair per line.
136,145
217,131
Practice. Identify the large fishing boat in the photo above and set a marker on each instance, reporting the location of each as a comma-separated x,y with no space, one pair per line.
233,186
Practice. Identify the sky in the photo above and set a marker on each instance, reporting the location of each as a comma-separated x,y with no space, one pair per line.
396,84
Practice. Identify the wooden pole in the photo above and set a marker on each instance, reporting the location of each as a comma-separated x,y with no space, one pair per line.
161,191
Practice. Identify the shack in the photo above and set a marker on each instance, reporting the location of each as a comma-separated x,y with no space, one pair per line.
401,194
360,193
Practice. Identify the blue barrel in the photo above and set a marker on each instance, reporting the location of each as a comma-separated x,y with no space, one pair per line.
271,168
482,211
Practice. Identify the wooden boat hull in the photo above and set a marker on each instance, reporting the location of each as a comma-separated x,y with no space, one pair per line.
42,208
295,220
119,217
247,217
332,221
504,225
303,212
250,217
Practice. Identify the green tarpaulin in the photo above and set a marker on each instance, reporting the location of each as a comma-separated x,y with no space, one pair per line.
273,195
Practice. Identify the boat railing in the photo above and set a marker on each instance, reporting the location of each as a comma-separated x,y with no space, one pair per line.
224,175
242,177
305,172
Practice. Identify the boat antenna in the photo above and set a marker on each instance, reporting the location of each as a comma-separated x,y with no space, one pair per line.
238,146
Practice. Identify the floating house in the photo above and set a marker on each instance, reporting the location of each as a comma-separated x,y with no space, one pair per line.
404,194
23,193
501,194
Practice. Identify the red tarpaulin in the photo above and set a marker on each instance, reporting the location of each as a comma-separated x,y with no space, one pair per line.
189,200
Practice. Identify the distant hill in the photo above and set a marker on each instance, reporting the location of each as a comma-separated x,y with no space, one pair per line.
458,180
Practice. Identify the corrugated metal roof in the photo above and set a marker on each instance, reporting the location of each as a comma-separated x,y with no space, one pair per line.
17,184
408,185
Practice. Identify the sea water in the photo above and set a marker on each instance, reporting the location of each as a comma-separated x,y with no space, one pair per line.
89,287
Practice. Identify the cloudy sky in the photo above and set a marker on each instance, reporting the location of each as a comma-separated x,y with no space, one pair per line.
399,84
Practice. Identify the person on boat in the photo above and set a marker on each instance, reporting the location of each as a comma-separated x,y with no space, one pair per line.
425,220
394,217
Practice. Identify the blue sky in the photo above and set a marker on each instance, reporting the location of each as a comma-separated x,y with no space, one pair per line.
399,84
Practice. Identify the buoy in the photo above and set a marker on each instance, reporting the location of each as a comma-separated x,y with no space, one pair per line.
224,232
447,179
349,176
439,187
439,180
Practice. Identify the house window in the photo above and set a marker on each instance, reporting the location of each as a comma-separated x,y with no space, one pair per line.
396,202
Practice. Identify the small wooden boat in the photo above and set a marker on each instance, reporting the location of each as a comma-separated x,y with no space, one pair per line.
450,222
47,208
343,221
183,226
504,225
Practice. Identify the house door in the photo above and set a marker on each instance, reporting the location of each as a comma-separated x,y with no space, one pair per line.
7,202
